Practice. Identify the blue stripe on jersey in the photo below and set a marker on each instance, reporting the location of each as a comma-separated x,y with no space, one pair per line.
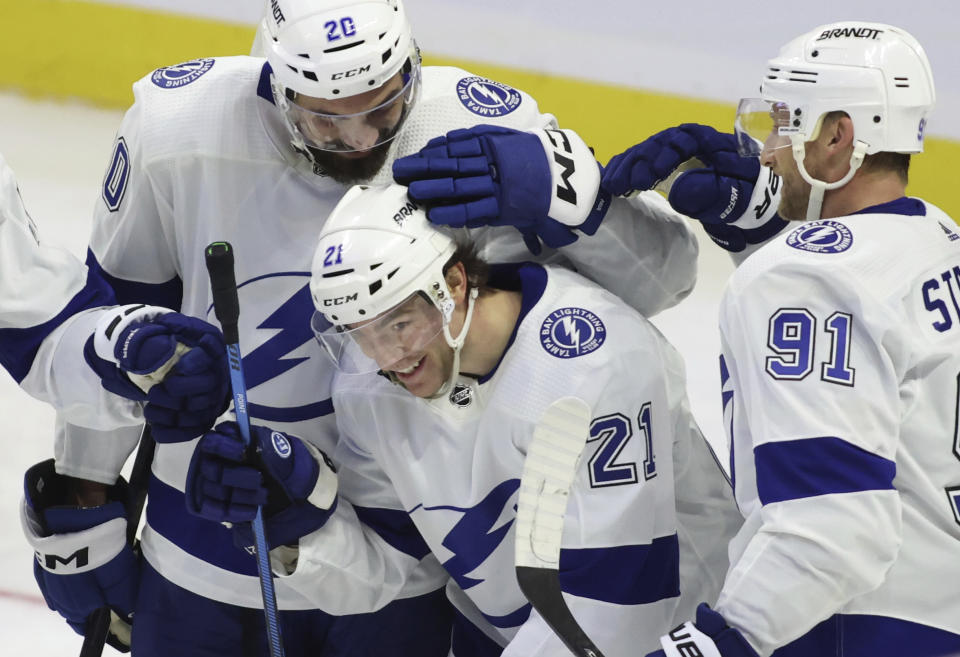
19,346
263,85
469,641
167,295
911,207
204,539
396,528
292,414
513,619
625,574
858,635
808,467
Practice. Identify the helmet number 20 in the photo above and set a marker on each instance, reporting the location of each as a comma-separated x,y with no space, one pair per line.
345,27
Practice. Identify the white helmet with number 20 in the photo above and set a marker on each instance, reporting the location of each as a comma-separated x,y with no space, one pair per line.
333,49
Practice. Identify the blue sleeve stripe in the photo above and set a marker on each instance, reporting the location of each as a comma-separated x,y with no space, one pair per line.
210,541
625,574
167,295
795,469
18,347
396,528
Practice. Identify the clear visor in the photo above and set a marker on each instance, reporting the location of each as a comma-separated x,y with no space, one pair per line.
345,133
764,125
394,340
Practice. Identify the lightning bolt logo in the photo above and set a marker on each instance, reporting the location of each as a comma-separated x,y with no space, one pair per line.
485,92
476,536
292,323
570,328
486,97
818,234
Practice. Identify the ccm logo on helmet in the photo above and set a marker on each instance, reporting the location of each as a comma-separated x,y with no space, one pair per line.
352,73
339,301
855,32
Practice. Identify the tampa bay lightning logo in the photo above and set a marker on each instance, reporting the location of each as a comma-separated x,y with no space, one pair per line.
486,97
479,532
173,77
280,444
822,236
572,332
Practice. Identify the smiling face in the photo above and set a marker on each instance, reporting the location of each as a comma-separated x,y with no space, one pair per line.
408,342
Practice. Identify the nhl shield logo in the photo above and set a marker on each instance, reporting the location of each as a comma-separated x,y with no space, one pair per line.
174,77
461,396
486,97
572,332
821,237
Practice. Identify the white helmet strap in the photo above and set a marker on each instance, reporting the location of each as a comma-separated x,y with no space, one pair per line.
819,187
457,344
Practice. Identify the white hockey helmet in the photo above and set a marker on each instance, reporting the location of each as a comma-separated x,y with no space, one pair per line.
878,74
379,261
333,49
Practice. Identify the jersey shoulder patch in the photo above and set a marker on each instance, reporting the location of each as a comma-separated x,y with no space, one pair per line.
487,98
824,236
180,75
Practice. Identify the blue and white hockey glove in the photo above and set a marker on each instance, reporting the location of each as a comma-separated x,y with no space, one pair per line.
734,197
545,183
295,483
83,561
709,636
175,363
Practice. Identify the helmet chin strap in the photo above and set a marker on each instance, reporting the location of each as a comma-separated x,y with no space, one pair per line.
818,187
457,345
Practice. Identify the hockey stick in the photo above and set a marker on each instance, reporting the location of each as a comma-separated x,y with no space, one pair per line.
226,304
98,625
548,472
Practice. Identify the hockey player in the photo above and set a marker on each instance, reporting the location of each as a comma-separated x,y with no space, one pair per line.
49,305
841,371
467,363
257,153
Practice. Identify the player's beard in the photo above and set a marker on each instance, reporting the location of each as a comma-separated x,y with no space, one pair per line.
351,171
795,196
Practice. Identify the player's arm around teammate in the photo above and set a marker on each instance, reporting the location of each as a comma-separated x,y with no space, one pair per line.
432,447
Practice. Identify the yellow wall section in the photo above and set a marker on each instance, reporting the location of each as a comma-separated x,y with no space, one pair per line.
69,49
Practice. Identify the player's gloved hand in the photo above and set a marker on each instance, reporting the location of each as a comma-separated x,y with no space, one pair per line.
545,183
734,197
83,561
709,636
295,483
174,363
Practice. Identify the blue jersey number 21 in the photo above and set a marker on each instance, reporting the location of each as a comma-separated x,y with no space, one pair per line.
611,433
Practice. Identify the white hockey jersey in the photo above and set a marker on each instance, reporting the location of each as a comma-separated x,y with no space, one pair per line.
202,156
841,389
443,475
46,302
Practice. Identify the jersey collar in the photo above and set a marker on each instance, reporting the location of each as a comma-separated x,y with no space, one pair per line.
910,207
528,278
